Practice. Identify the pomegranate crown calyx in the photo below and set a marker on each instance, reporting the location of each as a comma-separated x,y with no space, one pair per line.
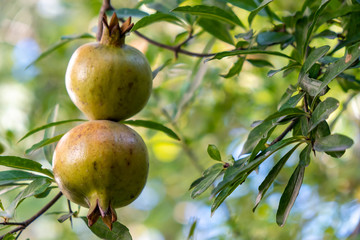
112,33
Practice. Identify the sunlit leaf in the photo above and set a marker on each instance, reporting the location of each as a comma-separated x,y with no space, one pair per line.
49,125
43,143
34,188
221,55
119,231
259,63
235,69
213,152
64,40
11,176
211,12
217,29
153,18
25,164
289,195
254,12
152,125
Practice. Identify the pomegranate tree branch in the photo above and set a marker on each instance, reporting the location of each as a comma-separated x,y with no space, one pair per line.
26,223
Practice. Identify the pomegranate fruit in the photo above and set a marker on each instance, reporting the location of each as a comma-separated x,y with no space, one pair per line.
101,165
109,79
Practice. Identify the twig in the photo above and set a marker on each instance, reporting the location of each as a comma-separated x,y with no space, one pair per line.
283,134
26,223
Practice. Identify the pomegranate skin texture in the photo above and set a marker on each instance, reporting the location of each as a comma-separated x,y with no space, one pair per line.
101,165
109,80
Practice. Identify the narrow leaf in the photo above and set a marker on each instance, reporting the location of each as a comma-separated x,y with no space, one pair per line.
211,12
313,57
270,178
130,12
153,18
36,187
290,194
340,65
49,125
157,70
208,178
305,155
254,12
65,217
221,31
119,231
235,69
333,143
152,125
322,6
312,86
26,164
221,55
259,63
213,152
292,101
12,176
271,38
43,143
323,111
64,40
49,133
291,65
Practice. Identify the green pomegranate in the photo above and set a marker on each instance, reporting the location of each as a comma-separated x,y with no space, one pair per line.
109,79
101,165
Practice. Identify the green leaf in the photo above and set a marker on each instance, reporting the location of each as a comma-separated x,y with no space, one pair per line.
213,152
322,6
305,156
326,34
221,55
36,187
259,63
248,5
292,101
313,57
333,143
119,231
12,176
191,235
270,178
340,65
256,134
323,111
49,133
49,125
152,125
211,12
153,18
26,164
217,29
254,12
348,82
235,69
312,86
9,236
271,38
157,70
291,65
64,40
209,176
130,12
43,143
287,112
2,148
288,198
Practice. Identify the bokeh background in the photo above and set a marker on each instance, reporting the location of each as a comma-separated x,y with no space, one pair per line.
190,97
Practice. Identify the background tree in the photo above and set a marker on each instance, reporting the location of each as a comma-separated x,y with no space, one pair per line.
220,66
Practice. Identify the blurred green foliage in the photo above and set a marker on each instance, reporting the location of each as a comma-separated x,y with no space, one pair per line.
203,108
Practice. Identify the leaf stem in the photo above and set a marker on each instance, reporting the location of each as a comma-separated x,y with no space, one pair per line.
26,223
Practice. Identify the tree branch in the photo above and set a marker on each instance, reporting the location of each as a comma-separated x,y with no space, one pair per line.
283,134
26,223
